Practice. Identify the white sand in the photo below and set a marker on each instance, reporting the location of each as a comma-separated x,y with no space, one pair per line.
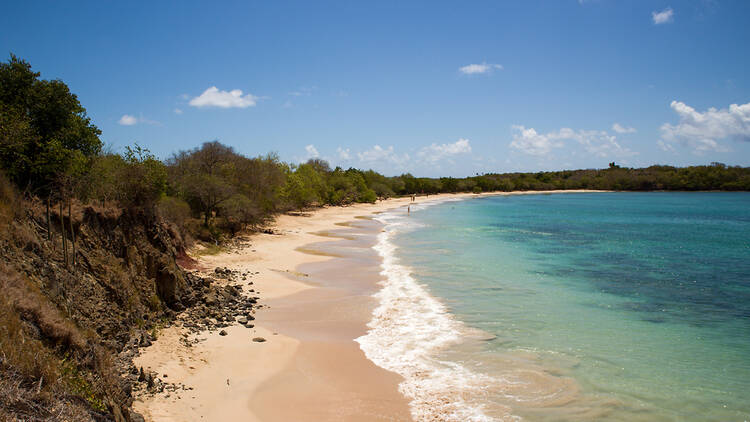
285,378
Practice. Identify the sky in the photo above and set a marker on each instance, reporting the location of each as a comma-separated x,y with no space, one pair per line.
432,88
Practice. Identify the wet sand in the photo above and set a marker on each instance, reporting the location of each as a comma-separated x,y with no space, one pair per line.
317,300
316,275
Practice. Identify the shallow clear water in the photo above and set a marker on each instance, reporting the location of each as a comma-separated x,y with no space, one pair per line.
602,306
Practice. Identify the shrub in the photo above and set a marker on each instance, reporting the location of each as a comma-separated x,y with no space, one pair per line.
174,210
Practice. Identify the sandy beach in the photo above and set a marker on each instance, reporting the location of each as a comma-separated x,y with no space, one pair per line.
315,276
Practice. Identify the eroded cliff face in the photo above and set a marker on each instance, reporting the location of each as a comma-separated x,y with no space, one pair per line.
82,319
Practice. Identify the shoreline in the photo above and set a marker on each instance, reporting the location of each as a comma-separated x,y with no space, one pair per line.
315,276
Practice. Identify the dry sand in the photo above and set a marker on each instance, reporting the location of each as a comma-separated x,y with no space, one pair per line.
316,275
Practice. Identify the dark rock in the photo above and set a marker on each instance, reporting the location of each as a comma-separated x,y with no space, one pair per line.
136,417
222,333
259,339
145,340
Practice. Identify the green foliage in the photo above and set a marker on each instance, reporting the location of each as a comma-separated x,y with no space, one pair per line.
174,210
304,186
206,176
144,178
45,135
135,179
347,187
239,211
80,386
48,145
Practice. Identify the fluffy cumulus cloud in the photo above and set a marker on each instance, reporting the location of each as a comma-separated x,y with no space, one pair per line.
213,97
343,154
473,69
437,152
601,144
663,16
702,131
595,142
380,154
128,120
530,142
622,129
390,160
312,152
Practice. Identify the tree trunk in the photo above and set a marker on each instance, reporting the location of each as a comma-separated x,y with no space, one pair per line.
49,229
72,232
62,231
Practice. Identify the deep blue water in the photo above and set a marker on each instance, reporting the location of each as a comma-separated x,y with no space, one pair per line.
641,299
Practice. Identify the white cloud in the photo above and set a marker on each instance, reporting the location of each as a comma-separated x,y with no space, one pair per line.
665,146
664,16
344,154
472,69
378,153
701,131
622,129
599,143
128,120
213,97
312,152
530,142
602,144
177,111
434,153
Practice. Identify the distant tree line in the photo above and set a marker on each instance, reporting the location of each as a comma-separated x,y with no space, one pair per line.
50,149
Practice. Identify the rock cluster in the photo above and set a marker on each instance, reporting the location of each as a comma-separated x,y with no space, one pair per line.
212,302
221,304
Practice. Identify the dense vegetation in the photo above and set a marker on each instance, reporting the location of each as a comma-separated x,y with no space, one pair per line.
50,149
52,162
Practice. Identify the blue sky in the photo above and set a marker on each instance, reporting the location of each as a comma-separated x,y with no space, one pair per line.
433,88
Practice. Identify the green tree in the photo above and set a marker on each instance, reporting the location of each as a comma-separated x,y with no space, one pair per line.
305,186
45,131
205,176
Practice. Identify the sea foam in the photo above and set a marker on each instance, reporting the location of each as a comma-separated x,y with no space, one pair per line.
408,331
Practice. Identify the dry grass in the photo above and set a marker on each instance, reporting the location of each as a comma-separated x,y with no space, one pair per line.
32,307
41,359
17,349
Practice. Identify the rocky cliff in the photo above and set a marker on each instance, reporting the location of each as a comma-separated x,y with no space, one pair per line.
67,322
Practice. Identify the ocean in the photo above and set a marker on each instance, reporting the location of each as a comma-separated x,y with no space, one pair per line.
568,307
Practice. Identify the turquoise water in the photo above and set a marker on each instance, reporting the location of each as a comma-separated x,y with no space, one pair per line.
602,306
